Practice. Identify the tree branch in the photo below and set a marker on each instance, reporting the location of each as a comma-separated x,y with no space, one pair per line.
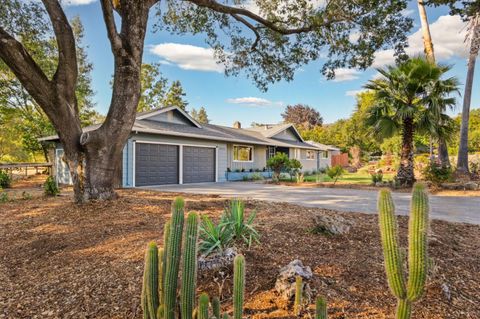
218,7
67,72
14,54
251,27
113,35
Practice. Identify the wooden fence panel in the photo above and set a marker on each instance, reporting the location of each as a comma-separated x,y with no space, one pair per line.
340,159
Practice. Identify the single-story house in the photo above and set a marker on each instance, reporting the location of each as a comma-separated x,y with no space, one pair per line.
168,146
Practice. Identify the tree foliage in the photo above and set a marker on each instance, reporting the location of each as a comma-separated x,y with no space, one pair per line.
153,87
303,116
200,116
175,96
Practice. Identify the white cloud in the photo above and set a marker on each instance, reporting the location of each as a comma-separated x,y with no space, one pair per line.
344,74
77,2
187,57
448,34
353,92
254,101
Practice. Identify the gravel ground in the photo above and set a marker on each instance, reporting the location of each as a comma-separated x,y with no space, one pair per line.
60,260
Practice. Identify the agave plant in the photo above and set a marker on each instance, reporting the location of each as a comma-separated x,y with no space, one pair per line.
234,218
214,237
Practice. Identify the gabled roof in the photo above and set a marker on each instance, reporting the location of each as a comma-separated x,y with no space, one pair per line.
323,147
154,112
145,124
271,130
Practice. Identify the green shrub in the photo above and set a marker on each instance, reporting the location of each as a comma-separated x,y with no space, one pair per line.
50,187
26,195
335,172
278,163
214,237
5,180
246,178
4,197
294,167
241,229
437,174
377,177
300,177
257,177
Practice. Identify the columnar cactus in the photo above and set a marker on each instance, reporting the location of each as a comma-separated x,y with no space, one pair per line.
238,286
216,307
417,249
150,282
174,245
189,267
320,308
298,295
203,302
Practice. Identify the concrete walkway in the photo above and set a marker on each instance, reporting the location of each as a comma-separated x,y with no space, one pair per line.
449,208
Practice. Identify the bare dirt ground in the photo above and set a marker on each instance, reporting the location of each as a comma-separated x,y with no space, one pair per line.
59,260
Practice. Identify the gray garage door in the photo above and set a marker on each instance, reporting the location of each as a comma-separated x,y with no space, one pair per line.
198,164
156,164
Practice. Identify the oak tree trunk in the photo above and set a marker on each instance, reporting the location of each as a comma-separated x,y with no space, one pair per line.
405,173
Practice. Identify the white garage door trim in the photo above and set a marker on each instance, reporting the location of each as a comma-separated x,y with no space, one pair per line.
180,157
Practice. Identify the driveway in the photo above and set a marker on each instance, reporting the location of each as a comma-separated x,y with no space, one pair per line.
449,208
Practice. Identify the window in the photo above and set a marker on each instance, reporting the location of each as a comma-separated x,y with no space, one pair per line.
242,153
324,154
310,155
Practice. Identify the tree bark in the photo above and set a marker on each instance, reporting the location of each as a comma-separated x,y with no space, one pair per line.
405,174
462,160
443,153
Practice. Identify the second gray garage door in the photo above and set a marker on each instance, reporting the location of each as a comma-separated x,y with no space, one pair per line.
156,164
198,164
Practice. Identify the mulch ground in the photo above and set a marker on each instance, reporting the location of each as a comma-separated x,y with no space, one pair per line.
60,260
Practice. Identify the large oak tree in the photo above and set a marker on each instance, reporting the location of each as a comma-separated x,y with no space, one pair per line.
268,42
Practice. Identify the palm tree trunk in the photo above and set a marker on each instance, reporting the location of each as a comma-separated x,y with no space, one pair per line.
405,174
428,45
462,160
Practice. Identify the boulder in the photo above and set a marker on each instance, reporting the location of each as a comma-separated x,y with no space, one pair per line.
218,260
330,225
471,186
285,284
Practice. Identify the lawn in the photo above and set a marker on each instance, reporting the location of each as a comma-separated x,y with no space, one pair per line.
59,260
361,178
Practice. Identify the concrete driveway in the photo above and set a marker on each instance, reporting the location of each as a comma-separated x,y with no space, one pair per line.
449,208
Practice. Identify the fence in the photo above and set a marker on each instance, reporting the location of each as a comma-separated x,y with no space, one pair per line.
340,159
23,168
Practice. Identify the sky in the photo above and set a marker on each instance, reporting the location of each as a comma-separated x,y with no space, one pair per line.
228,99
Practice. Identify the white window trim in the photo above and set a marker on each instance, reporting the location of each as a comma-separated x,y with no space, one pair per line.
238,161
306,155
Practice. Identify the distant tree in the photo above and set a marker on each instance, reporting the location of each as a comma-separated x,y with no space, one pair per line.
303,116
201,115
175,96
153,87
410,97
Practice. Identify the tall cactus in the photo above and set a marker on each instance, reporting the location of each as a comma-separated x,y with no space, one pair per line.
238,286
216,307
189,267
150,282
417,248
174,245
320,308
203,302
298,295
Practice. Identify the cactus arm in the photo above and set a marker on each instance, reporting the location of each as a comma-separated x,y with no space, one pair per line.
203,302
174,244
216,307
298,295
161,254
389,238
404,309
189,267
320,308
238,286
150,282
166,235
417,243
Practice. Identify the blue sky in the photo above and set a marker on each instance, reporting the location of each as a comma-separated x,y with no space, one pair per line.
226,99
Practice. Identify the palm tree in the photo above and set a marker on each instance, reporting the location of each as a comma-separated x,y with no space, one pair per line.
474,35
410,97
429,52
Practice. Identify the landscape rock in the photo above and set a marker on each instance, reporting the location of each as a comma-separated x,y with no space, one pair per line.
471,186
285,284
330,225
218,260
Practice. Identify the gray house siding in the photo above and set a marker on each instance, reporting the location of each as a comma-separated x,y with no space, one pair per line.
259,158
288,135
170,117
128,151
